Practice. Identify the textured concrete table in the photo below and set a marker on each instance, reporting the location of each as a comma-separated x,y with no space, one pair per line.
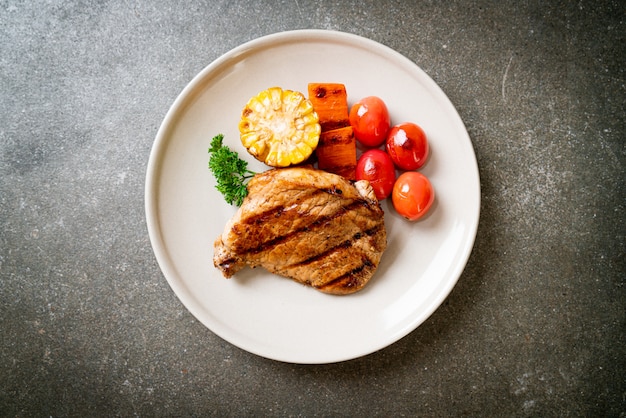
535,326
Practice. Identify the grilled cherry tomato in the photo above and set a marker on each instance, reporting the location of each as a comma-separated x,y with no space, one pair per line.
377,167
369,119
412,195
407,145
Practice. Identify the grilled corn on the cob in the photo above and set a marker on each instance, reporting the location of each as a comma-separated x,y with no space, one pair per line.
279,127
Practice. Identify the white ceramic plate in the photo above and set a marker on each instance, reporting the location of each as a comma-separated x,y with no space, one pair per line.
275,317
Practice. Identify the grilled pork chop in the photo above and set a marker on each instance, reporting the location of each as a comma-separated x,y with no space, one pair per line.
308,225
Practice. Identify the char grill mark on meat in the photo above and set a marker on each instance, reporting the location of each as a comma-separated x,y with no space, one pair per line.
345,244
295,234
299,223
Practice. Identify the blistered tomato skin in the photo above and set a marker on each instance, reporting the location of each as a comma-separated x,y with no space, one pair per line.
377,167
412,195
370,121
408,146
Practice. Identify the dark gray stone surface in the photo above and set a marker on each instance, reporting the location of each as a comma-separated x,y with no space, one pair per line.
536,325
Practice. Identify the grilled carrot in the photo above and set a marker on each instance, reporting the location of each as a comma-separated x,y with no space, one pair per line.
336,152
336,149
330,102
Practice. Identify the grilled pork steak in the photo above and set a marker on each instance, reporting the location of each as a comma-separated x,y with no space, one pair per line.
309,225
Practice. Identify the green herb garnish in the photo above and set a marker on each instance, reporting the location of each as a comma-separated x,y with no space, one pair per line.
230,171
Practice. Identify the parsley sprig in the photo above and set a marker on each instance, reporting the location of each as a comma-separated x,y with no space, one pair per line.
230,171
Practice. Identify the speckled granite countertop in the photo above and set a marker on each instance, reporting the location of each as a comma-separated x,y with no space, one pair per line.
535,326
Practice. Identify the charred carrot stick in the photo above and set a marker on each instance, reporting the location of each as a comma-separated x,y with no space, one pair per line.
330,102
336,152
336,149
